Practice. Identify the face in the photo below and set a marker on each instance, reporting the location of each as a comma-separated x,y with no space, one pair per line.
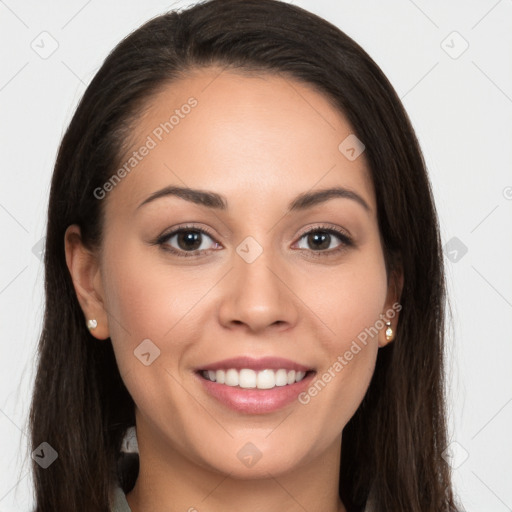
257,273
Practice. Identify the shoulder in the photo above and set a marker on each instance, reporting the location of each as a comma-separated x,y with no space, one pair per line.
118,500
127,472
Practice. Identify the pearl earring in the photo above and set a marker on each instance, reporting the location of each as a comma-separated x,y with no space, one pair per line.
92,324
389,331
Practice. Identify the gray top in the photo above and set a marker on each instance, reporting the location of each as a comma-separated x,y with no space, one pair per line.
119,501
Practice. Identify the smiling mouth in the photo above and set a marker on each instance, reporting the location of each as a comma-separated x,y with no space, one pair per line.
247,378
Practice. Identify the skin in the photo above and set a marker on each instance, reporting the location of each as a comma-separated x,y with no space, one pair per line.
260,141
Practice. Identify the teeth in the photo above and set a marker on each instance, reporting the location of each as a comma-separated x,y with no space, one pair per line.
232,378
281,378
250,379
266,379
299,376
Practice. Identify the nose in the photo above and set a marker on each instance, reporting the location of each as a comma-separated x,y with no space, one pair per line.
257,296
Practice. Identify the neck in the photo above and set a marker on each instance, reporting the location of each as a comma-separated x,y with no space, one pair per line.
168,480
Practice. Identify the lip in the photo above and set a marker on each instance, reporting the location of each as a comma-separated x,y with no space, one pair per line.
271,363
255,401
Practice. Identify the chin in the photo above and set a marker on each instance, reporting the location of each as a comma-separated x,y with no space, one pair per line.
247,460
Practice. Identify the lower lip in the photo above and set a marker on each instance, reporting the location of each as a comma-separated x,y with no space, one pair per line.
256,401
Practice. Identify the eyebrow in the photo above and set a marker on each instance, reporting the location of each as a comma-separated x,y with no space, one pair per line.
219,202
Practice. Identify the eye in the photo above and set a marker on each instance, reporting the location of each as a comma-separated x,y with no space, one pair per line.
319,240
186,241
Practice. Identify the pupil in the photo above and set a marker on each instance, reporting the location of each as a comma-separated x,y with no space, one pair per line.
190,239
322,237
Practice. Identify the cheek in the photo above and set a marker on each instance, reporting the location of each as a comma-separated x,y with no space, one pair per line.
147,300
348,300
145,297
349,303
357,309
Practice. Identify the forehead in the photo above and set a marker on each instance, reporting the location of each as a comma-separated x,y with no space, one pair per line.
259,135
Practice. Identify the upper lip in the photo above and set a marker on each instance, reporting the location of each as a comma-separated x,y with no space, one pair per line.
263,363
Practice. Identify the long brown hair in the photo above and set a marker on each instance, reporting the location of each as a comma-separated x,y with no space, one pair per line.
80,406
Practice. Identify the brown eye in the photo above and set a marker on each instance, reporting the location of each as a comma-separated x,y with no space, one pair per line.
321,240
187,241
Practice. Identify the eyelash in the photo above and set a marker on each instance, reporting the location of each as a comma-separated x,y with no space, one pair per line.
345,240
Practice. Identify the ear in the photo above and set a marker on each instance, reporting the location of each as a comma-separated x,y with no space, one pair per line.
392,305
84,268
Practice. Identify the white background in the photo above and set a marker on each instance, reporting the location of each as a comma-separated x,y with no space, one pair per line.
461,109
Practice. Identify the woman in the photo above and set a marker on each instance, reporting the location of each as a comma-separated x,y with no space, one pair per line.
243,262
